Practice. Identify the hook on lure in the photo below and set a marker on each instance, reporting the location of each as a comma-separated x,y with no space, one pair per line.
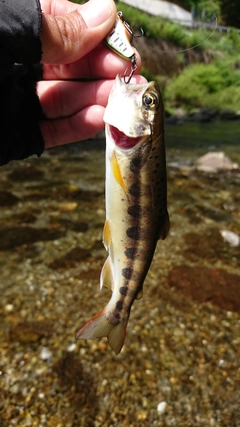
119,40
133,69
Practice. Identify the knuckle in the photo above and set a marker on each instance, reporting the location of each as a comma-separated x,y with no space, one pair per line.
69,29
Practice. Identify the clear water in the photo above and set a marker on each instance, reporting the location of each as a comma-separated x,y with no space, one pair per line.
182,343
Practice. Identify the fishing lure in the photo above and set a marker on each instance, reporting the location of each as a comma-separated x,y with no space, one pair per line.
119,40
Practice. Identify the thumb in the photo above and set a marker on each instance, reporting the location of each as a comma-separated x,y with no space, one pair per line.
68,37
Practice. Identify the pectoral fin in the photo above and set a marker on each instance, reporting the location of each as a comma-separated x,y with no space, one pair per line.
117,171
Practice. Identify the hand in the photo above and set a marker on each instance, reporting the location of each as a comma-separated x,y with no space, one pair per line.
72,49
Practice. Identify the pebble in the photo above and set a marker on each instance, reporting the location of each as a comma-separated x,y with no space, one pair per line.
72,347
230,237
9,308
68,206
141,415
161,407
45,354
41,395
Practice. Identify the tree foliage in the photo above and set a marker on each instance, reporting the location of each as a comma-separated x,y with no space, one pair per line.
228,12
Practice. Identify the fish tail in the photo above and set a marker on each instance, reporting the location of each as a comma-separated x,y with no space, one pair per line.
100,326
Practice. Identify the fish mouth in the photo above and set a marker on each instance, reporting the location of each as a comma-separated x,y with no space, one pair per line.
122,140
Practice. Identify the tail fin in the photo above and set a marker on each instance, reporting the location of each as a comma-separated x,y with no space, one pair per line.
99,326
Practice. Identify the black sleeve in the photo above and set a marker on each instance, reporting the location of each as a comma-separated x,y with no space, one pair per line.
20,55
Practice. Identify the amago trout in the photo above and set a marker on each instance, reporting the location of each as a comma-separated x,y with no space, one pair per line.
136,202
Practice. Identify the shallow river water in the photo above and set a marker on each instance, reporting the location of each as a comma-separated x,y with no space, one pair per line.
180,365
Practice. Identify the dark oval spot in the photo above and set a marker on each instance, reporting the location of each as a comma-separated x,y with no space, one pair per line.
119,305
133,232
134,210
123,290
135,164
134,190
131,253
127,273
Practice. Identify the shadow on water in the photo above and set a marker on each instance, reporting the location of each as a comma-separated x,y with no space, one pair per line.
79,388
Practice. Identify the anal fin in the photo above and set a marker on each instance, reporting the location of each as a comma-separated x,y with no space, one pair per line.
106,277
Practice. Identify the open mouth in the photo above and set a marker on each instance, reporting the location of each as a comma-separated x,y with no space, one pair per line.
122,140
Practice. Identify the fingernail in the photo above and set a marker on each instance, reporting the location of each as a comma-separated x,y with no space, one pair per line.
96,12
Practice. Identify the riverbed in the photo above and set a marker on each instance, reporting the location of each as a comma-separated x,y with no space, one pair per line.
180,364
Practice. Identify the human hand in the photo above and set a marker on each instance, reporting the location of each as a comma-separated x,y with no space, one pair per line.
72,49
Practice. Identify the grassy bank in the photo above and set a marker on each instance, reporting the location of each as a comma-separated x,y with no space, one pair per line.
215,85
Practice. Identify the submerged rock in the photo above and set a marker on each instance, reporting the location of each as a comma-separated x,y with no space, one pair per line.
210,247
215,162
174,120
11,237
26,173
71,259
7,199
203,115
228,114
203,284
29,332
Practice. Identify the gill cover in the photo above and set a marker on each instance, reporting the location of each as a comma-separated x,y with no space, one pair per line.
127,109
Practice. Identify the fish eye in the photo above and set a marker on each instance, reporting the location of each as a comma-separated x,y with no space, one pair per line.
150,100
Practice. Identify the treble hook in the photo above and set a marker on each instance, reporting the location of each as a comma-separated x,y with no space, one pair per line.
133,69
139,35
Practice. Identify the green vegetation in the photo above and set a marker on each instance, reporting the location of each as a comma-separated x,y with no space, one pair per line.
227,11
215,84
209,6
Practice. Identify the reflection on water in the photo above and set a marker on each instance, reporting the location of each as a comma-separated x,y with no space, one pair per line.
182,344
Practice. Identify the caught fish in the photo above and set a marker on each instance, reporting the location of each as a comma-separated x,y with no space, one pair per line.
136,202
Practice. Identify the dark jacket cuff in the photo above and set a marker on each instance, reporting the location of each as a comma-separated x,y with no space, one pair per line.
20,49
20,28
21,113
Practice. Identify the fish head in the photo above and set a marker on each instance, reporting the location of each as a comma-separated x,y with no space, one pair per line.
133,111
